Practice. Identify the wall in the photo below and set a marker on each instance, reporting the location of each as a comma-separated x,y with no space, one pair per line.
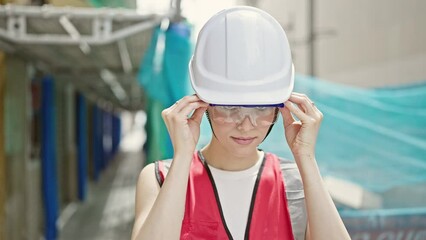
17,99
2,155
17,2
74,3
377,43
60,146
411,196
70,140
65,137
360,43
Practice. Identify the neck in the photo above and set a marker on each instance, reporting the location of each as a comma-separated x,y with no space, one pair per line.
222,158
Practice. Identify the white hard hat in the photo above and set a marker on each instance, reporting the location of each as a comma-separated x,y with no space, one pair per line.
242,57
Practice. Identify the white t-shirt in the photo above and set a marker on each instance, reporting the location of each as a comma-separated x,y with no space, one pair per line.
232,186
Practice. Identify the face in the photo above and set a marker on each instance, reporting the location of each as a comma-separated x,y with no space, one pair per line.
241,129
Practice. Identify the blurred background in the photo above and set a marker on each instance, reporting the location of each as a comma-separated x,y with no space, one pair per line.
83,83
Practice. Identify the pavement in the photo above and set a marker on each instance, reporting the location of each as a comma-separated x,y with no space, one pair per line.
108,213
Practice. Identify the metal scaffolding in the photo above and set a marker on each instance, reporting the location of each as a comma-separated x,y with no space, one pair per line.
97,50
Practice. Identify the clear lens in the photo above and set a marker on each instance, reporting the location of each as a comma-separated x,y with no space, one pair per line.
259,116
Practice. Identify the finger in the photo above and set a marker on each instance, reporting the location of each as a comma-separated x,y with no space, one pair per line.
180,104
173,106
302,116
191,107
303,101
198,114
287,117
183,102
300,106
188,99
312,103
313,110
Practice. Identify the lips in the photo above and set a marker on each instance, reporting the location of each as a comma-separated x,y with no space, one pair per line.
243,140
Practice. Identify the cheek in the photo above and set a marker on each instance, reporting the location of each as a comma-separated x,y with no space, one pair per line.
223,131
264,131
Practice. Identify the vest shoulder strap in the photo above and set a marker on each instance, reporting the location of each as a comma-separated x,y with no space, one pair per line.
292,179
295,197
162,167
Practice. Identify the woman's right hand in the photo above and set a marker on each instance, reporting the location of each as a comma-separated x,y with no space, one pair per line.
184,130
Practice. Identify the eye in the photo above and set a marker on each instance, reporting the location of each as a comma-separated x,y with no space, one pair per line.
228,108
265,110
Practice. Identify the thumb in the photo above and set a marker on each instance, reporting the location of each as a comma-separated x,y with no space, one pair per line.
287,117
198,114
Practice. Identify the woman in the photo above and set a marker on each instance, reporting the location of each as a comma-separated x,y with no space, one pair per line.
242,74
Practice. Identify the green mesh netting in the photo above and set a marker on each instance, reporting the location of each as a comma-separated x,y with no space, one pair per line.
373,137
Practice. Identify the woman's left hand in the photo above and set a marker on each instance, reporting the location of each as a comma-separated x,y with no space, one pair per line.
301,135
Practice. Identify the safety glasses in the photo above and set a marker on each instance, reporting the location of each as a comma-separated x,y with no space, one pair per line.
258,116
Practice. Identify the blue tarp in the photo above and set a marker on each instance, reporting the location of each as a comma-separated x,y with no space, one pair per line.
48,159
82,147
164,78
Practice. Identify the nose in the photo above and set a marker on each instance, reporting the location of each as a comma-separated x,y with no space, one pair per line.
246,124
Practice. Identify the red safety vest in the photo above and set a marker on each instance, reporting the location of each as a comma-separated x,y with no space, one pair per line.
268,218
